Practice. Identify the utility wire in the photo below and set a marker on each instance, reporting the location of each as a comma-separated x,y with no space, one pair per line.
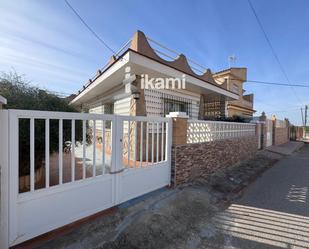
89,28
272,49
287,110
278,83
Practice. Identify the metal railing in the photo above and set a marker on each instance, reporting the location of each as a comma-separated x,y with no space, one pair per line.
101,70
171,54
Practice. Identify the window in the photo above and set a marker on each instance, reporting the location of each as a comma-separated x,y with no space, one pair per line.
109,108
214,107
175,105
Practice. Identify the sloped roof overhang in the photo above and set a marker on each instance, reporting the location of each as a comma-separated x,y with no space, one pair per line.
114,74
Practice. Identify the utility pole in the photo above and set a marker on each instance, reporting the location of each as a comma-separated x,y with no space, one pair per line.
306,116
302,116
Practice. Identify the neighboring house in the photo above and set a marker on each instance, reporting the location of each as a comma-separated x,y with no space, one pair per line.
206,95
232,79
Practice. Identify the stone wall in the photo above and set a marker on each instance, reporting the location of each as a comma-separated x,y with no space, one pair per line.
296,133
190,161
278,129
281,135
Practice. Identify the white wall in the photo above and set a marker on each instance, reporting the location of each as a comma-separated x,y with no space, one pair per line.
154,103
122,106
97,109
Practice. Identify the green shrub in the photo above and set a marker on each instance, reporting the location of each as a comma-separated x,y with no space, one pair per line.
20,95
235,118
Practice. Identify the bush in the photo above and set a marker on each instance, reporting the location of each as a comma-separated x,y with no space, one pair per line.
20,95
235,118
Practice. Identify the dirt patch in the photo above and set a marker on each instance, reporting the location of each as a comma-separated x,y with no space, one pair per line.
185,221
175,221
226,184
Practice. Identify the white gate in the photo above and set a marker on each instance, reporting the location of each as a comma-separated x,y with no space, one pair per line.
99,162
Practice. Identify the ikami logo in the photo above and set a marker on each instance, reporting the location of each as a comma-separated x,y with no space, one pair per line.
156,83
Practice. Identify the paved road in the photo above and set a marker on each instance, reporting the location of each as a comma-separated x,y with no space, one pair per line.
274,210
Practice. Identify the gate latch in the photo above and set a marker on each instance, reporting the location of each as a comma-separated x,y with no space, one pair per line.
117,171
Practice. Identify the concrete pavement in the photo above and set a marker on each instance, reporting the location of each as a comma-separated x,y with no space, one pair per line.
286,149
274,210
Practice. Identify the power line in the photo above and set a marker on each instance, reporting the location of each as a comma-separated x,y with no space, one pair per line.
288,110
278,83
89,28
272,49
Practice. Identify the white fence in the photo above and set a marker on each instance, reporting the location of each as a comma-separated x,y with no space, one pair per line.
200,131
85,175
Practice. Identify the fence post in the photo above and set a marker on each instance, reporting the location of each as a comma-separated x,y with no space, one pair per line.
180,125
4,178
168,148
258,133
287,125
263,138
117,148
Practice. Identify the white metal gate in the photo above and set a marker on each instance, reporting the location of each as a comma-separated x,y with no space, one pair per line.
111,160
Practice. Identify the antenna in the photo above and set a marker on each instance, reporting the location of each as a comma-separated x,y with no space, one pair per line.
231,59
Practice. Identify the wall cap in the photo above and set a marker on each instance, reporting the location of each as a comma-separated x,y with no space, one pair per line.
177,115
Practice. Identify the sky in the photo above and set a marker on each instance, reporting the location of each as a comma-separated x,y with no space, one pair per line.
48,44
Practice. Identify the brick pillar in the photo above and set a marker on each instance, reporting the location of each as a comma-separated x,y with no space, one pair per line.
180,125
287,124
274,120
263,119
201,112
137,108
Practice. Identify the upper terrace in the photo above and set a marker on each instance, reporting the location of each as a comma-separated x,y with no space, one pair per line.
144,55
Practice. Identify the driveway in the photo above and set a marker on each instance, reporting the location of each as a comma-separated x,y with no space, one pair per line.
274,210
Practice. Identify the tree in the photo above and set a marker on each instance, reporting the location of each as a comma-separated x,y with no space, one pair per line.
21,95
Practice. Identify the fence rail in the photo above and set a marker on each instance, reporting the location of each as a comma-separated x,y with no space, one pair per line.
200,131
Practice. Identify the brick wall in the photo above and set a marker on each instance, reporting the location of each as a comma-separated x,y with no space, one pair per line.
281,135
190,161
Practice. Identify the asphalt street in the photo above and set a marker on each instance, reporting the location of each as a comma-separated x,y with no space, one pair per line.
274,210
